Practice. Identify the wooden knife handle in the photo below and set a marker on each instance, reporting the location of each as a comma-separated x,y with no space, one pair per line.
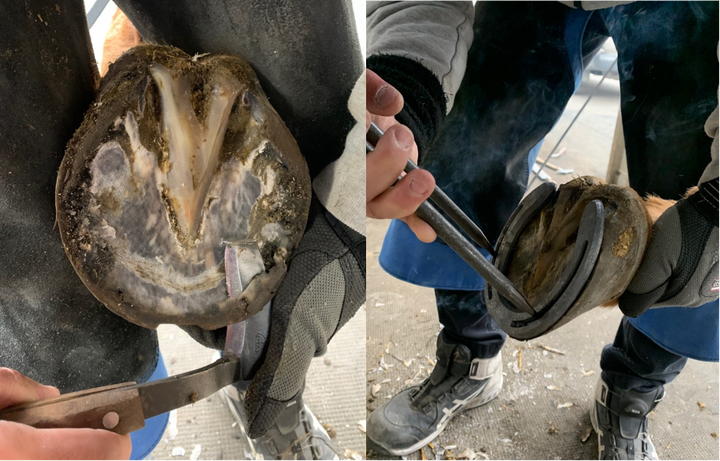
90,408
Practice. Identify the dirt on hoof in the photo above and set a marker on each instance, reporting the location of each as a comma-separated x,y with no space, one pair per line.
180,166
545,246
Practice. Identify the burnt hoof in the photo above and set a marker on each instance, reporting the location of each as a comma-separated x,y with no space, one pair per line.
183,194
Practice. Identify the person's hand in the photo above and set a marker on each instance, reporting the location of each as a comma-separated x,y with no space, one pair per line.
19,441
387,162
680,267
324,287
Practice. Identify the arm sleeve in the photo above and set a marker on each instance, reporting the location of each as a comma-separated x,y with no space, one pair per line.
421,49
711,128
340,186
706,199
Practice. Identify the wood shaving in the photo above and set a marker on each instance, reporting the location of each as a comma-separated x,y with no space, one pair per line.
552,430
701,405
519,358
551,349
383,365
586,434
350,454
332,433
196,453
470,455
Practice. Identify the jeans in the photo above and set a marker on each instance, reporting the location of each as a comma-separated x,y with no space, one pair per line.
525,63
634,361
466,320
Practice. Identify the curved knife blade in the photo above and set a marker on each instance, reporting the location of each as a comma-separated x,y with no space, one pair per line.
173,392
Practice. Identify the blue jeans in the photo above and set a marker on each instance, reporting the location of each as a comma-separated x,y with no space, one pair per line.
525,63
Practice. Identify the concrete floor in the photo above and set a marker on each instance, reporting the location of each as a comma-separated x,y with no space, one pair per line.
524,422
528,419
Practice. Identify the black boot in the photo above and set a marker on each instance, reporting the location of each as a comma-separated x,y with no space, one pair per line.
419,413
620,421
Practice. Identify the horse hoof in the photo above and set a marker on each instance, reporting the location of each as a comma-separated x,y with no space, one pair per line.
180,165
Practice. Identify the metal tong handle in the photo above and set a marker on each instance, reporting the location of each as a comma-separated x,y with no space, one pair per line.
454,239
439,198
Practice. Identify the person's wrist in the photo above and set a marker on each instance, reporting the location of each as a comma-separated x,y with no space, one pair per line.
705,201
424,100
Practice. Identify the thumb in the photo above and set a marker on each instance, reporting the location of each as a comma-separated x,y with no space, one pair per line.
633,305
17,388
19,441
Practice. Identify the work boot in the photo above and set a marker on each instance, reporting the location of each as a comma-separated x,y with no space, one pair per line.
620,421
419,413
297,434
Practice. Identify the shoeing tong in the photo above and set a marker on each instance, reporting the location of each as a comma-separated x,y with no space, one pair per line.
454,239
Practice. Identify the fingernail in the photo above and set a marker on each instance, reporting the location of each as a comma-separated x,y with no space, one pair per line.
418,187
403,138
385,96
